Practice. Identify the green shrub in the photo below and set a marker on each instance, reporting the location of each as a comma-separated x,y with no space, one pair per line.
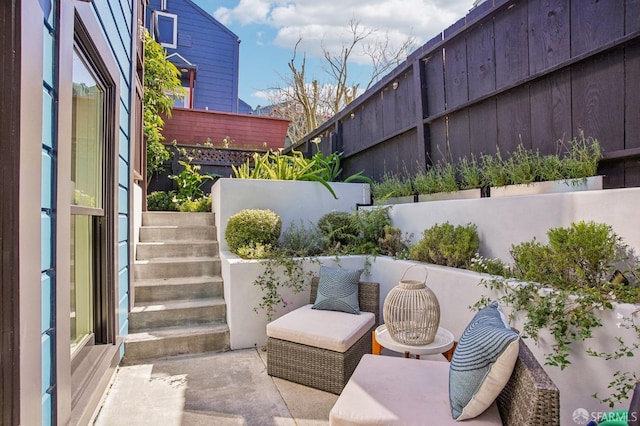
580,256
341,228
391,186
581,158
493,167
551,168
371,224
485,265
568,281
251,228
448,245
523,167
202,204
189,180
471,174
439,178
256,251
162,201
392,243
302,241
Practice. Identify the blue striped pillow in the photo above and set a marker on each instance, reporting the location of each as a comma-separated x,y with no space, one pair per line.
338,290
482,363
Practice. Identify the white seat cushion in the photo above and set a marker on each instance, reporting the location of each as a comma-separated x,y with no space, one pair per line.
332,330
386,390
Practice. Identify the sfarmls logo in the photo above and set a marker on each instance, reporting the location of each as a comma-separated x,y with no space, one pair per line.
582,417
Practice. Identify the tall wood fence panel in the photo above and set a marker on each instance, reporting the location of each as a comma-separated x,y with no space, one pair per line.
536,73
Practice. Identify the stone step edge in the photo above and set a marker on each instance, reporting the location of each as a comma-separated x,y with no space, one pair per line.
152,334
167,260
195,280
174,305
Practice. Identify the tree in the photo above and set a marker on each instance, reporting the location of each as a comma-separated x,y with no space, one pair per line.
308,103
161,85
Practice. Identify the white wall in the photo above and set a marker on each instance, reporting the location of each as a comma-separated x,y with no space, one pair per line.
505,221
292,200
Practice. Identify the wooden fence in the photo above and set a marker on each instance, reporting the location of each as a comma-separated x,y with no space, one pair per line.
212,160
534,72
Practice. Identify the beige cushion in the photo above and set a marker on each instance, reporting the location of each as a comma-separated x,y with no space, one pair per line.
332,330
494,382
387,390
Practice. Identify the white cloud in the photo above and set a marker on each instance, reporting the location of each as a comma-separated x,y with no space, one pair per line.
262,94
246,12
314,21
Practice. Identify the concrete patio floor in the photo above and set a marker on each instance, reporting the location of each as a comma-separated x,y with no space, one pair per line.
228,388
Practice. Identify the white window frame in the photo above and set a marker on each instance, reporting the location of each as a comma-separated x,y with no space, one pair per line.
184,100
154,23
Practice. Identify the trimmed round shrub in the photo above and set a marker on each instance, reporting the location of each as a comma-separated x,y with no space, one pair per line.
251,228
447,245
340,227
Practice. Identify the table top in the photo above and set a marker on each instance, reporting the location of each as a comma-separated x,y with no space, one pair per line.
441,343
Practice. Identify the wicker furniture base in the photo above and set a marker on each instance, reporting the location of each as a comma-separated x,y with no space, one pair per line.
318,368
321,368
530,398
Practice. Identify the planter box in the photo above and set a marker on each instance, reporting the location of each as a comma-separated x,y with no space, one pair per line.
291,199
395,200
551,187
465,194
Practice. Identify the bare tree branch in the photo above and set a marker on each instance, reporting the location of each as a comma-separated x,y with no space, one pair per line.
308,103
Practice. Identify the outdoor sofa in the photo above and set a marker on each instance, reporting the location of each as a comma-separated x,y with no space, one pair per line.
493,379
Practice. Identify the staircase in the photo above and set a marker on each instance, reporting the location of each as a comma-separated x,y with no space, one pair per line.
179,306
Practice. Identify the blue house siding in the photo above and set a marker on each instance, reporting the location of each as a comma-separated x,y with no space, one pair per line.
209,45
47,218
115,18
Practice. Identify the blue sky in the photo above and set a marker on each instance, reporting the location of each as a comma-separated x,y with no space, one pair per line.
269,30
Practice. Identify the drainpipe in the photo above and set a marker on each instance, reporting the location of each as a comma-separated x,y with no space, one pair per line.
191,78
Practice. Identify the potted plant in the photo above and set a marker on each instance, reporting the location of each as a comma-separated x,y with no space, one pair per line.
392,189
528,173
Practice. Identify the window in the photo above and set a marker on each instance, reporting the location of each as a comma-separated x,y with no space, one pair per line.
184,100
164,27
87,171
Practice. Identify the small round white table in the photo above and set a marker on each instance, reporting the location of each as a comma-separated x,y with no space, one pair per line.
441,343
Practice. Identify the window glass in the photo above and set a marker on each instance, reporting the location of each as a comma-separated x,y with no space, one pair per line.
82,280
166,25
87,137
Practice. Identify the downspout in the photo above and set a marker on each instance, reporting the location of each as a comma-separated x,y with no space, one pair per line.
191,79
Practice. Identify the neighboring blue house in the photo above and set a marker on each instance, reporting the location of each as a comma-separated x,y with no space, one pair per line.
204,50
70,108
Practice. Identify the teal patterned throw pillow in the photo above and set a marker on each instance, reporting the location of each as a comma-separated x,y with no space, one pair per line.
338,290
482,363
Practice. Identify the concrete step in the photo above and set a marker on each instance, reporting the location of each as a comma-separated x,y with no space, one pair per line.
167,233
177,268
173,249
176,313
178,219
171,341
183,288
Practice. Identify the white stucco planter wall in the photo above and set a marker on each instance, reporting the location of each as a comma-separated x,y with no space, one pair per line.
292,200
455,195
505,221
